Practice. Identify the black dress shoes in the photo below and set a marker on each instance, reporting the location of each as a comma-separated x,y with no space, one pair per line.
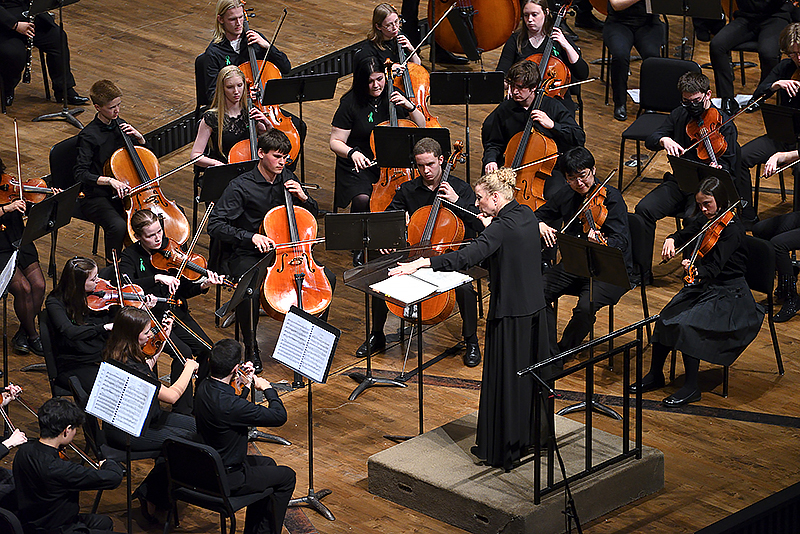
472,357
752,106
35,346
621,112
358,258
648,383
680,398
446,57
377,343
9,98
73,98
20,343
730,105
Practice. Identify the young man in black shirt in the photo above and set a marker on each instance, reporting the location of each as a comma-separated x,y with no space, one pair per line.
552,119
96,143
579,168
413,195
237,218
48,488
223,419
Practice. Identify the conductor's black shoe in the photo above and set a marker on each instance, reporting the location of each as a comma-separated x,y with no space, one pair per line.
73,98
20,343
730,105
35,346
476,452
448,58
9,97
588,21
621,112
648,383
472,357
377,343
680,398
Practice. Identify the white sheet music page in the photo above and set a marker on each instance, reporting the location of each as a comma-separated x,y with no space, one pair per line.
304,347
409,288
444,280
121,399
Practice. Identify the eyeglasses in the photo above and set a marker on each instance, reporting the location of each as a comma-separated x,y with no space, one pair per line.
585,177
390,25
686,102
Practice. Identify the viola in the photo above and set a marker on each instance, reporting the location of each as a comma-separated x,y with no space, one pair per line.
170,256
432,225
415,81
491,21
294,279
595,213
106,295
702,247
33,189
268,71
390,178
705,130
137,167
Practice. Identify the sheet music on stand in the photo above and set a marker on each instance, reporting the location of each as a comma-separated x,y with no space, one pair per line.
410,288
122,397
8,272
306,345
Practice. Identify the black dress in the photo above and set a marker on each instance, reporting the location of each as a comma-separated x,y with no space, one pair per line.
234,129
717,319
516,330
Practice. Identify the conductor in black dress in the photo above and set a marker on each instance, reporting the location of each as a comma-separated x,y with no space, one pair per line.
223,420
516,327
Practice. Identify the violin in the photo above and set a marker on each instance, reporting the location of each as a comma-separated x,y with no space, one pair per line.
705,130
702,247
294,278
266,71
170,256
390,179
432,225
33,189
595,213
491,22
106,295
415,81
138,167
553,72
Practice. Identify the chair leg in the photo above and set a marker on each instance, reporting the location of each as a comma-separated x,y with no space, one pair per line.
608,72
774,335
672,365
621,163
96,238
610,330
480,299
741,67
646,311
638,158
783,186
725,381
223,523
44,75
757,188
96,503
2,97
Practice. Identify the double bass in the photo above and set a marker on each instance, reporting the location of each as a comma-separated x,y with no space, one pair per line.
491,22
433,225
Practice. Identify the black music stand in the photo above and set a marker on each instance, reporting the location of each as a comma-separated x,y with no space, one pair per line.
783,125
381,230
686,8
216,179
394,145
454,88
247,289
461,24
594,261
689,174
40,6
300,89
5,278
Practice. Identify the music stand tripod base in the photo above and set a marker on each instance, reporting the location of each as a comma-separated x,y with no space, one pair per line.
312,500
596,406
65,114
370,381
254,434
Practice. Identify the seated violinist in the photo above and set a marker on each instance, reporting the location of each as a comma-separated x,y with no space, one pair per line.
667,200
238,216
551,119
8,499
715,317
579,167
27,285
96,143
412,196
137,262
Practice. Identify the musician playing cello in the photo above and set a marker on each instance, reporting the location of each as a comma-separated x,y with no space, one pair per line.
579,167
510,117
413,195
237,218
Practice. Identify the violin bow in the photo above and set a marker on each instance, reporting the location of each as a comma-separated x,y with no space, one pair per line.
209,209
702,231
116,276
748,106
19,164
778,171
191,332
149,183
424,40
554,88
537,162
588,200
458,208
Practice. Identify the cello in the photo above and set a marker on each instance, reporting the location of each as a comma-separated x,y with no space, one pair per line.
553,72
294,278
491,22
137,166
415,81
258,67
246,149
390,179
434,225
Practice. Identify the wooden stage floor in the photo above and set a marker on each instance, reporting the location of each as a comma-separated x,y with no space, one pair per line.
722,454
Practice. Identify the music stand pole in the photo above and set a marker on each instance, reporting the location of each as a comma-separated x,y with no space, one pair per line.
65,113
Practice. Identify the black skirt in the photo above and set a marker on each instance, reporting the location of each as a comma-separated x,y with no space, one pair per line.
505,430
350,183
712,322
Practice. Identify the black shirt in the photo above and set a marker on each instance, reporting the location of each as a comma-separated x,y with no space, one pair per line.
96,144
510,118
11,12
633,16
77,344
565,203
511,245
234,129
370,49
510,55
48,488
726,260
223,418
240,211
782,71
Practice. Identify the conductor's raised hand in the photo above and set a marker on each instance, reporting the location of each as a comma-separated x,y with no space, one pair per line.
548,234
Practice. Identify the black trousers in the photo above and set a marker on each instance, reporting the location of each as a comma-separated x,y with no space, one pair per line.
783,232
620,39
558,282
666,200
259,472
13,51
189,347
90,524
736,32
110,215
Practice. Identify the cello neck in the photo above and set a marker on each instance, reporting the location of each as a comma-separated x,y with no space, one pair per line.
290,214
251,123
548,49
430,224
141,172
251,54
407,87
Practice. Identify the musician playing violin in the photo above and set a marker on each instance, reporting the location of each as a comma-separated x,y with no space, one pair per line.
237,218
716,318
384,36
27,284
48,487
579,167
531,38
136,262
667,200
413,195
214,142
96,143
552,119
8,499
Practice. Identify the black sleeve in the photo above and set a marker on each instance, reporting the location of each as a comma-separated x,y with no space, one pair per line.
712,263
666,130
615,227
277,58
246,413
579,69
493,138
228,208
7,19
566,131
57,314
508,54
550,211
84,161
473,253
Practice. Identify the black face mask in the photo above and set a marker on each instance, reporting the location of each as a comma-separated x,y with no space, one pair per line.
695,109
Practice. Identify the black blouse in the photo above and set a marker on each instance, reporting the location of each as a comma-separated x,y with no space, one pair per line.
234,129
726,260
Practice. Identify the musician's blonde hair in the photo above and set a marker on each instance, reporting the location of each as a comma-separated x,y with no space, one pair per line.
501,181
790,37
379,14
218,105
222,7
